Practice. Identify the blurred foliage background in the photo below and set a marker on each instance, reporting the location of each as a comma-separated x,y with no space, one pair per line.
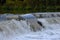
29,6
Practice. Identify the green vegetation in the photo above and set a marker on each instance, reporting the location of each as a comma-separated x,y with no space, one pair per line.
28,6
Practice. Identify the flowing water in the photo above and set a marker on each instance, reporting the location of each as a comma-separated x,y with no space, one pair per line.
21,30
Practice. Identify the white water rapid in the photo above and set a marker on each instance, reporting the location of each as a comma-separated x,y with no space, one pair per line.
21,30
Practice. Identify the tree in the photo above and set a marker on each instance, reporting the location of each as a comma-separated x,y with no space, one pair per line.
2,2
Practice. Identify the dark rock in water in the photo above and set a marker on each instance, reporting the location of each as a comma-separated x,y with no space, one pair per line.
20,18
40,23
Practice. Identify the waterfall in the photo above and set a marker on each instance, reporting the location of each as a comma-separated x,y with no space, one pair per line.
29,29
13,27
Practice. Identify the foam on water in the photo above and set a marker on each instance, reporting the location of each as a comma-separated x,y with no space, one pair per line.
13,27
20,30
